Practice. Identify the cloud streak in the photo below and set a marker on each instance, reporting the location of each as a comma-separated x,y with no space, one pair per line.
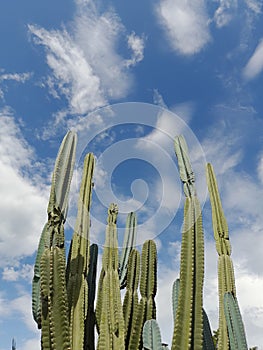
254,65
185,24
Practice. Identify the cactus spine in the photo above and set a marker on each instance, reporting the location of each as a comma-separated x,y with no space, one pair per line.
188,329
226,282
77,285
111,321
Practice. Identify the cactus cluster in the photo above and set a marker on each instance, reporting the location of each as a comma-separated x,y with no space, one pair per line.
63,294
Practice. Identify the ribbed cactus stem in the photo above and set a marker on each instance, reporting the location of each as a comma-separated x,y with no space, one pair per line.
111,321
77,285
130,303
226,281
148,286
128,244
235,326
58,202
51,259
188,329
152,336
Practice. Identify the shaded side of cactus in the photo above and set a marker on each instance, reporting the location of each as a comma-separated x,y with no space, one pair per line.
13,344
111,323
89,338
54,308
151,336
226,281
130,303
148,286
208,343
175,296
235,326
77,285
188,330
57,201
128,244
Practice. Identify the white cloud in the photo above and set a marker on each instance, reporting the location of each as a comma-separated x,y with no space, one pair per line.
18,77
260,168
12,273
32,344
23,208
254,5
254,65
136,44
72,75
225,12
185,23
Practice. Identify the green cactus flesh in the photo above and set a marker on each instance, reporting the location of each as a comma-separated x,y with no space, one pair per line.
111,322
152,336
235,324
77,285
128,244
208,343
226,280
188,330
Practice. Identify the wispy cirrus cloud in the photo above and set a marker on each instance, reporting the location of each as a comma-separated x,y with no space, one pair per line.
225,12
15,77
185,24
254,65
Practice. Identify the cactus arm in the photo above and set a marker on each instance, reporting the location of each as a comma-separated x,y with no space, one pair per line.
152,336
175,296
128,244
226,280
208,343
77,285
111,323
185,169
62,174
235,324
130,303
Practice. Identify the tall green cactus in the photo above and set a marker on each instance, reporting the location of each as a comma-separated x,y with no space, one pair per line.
128,245
148,286
89,338
188,329
131,302
235,326
77,285
226,281
111,321
54,316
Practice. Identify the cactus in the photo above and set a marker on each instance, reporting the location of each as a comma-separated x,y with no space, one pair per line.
226,281
188,329
49,273
77,285
130,303
111,322
208,343
89,338
235,326
128,244
13,344
148,286
152,336
63,296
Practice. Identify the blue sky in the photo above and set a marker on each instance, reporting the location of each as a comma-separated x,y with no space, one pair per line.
190,67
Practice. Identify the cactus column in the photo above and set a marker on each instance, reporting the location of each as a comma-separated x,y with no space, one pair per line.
77,269
226,281
188,330
110,316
